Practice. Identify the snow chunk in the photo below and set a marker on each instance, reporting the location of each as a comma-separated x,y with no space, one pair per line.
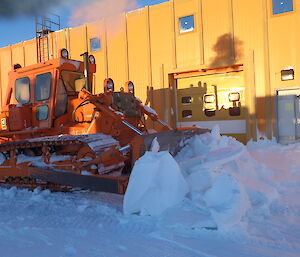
227,200
155,145
155,184
10,193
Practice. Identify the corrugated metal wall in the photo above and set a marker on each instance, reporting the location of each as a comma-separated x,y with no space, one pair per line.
145,46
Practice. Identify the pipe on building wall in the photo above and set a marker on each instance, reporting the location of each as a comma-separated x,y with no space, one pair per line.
268,103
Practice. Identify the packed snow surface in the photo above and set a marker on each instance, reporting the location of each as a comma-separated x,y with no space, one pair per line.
217,197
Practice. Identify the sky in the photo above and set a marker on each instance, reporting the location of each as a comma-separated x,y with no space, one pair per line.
14,30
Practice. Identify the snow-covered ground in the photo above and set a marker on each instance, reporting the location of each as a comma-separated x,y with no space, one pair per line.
215,198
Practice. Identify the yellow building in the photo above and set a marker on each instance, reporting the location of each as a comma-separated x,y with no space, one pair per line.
197,62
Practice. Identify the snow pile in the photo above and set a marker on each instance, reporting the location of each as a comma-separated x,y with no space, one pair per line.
162,185
257,186
214,173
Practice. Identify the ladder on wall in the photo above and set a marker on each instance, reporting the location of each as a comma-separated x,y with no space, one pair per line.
45,24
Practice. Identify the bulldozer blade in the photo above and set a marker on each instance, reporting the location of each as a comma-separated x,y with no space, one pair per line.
171,141
101,183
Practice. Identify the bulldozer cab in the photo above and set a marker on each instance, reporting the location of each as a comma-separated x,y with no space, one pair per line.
40,93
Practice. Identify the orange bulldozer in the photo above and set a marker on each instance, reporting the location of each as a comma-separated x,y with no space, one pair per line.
55,132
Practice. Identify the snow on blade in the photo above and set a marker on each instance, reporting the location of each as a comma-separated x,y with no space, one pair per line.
155,146
149,109
156,184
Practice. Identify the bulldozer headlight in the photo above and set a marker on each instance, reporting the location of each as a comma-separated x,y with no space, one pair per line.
129,86
64,53
92,59
109,85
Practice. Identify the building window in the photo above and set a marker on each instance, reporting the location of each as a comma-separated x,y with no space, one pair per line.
186,24
43,86
235,111
209,112
187,114
282,6
287,74
22,90
95,44
186,100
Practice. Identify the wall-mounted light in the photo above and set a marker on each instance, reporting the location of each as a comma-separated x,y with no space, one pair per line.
287,74
209,98
234,96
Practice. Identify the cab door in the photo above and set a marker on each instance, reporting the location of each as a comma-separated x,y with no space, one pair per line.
42,103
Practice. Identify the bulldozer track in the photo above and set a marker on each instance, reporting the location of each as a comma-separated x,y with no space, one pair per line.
49,175
96,142
33,185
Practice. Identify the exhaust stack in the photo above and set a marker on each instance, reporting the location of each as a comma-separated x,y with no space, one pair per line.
87,85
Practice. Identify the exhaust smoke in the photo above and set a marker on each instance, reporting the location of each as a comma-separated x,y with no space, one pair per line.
93,10
14,8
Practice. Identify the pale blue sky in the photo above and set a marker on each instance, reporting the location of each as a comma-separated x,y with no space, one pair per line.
14,30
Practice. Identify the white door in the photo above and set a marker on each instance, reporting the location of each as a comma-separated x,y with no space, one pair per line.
286,118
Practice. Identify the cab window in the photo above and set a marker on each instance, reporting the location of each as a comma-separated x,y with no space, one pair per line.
42,112
43,86
61,100
22,90
73,81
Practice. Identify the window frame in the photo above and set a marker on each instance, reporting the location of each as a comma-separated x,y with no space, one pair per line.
187,32
90,44
29,89
283,13
50,91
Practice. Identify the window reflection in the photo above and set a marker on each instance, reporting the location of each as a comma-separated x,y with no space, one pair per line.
186,24
282,6
22,90
95,44
43,86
